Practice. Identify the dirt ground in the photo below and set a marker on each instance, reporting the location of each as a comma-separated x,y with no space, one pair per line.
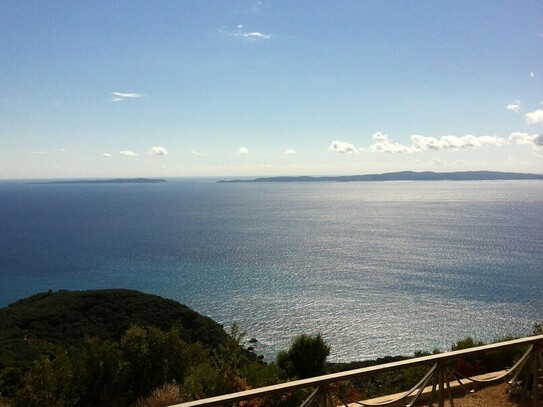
494,396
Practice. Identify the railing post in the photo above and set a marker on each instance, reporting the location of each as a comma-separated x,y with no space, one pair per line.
536,351
441,383
323,396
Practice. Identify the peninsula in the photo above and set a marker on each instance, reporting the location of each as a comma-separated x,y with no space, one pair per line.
408,176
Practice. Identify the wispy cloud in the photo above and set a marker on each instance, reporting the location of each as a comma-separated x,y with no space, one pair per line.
42,152
107,155
257,7
157,151
535,117
128,153
253,35
514,107
121,97
531,75
249,35
196,153
242,151
290,152
342,147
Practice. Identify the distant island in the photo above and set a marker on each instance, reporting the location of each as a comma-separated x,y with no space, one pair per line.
408,176
107,181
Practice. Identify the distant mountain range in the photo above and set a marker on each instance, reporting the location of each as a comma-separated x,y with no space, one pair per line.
408,176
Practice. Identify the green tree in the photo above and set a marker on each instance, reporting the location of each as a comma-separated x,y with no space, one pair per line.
305,358
101,374
48,383
136,352
229,356
202,381
466,343
154,358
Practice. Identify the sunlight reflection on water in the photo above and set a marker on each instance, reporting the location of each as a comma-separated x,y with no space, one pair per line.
377,268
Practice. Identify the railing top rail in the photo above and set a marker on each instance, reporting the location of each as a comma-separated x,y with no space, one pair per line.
349,374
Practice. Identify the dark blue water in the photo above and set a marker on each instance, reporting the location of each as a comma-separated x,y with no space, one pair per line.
377,268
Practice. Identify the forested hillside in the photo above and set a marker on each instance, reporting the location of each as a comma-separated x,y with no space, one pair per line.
125,348
29,326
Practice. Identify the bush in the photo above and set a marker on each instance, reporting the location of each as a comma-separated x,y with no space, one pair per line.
162,397
305,358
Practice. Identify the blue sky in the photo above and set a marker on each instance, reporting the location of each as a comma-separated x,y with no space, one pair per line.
255,88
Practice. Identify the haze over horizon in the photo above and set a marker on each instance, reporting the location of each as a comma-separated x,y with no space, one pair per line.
259,88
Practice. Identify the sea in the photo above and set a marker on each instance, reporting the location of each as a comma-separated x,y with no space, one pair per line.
377,268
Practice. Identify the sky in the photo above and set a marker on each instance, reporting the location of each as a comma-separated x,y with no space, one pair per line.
259,88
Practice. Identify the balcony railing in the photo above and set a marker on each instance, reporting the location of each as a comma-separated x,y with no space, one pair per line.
435,386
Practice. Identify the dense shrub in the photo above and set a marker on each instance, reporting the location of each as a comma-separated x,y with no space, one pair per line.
306,357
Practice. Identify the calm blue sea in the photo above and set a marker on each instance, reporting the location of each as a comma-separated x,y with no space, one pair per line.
377,268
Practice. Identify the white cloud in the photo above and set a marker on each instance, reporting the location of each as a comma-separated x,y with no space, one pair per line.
157,151
250,35
128,153
525,139
290,152
514,107
521,138
381,143
342,147
242,151
535,117
255,35
196,153
120,96
107,155
454,142
531,75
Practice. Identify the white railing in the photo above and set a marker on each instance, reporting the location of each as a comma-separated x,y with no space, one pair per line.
435,385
